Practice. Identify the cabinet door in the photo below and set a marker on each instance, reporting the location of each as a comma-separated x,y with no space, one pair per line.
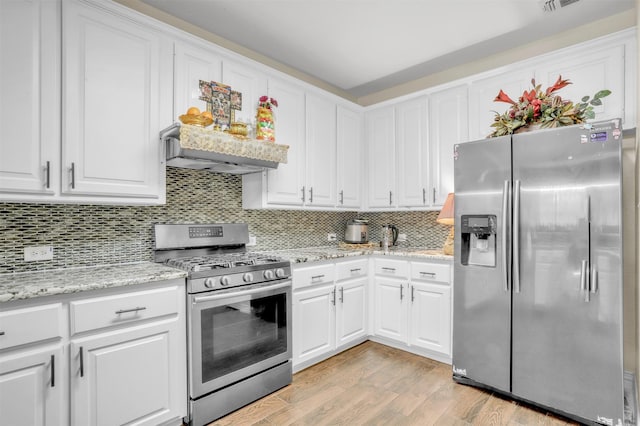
390,315
29,97
430,317
413,152
380,142
250,83
321,151
31,388
482,92
285,184
313,322
350,158
116,80
448,125
139,370
192,64
590,71
351,311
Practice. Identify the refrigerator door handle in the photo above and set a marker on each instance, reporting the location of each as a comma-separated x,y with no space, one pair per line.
505,214
516,237
583,275
594,280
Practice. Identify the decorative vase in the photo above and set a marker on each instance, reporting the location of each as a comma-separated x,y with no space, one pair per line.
265,125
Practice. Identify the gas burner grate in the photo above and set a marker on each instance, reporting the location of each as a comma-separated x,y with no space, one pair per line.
231,260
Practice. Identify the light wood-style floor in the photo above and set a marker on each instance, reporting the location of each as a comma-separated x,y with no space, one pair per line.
373,384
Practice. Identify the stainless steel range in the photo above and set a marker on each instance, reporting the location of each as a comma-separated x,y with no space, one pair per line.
238,316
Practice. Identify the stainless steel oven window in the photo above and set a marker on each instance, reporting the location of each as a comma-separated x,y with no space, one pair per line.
235,334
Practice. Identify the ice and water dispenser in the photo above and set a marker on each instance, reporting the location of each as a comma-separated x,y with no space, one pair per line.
478,240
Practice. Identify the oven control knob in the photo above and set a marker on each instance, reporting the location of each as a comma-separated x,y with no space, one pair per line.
268,274
247,277
225,281
209,283
280,273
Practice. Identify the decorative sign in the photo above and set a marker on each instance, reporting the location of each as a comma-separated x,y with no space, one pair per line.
218,99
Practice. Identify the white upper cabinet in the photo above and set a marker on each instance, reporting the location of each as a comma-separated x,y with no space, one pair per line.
116,97
448,125
192,64
482,92
29,98
589,72
248,81
320,151
285,185
380,141
413,152
350,158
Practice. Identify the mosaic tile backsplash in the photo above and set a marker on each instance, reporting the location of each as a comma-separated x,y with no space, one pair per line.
87,235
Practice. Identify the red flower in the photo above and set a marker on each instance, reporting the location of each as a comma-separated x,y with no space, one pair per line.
529,96
274,102
559,84
503,97
264,98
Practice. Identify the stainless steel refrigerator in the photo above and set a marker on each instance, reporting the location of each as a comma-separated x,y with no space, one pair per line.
538,269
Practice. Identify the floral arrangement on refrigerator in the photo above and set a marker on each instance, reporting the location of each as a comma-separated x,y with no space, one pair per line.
544,108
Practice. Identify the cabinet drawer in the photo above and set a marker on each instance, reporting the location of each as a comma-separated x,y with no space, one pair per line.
351,269
392,268
313,275
431,272
29,325
100,312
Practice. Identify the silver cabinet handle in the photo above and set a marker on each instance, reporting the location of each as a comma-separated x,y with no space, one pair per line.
390,198
1,333
431,274
412,293
516,237
303,193
136,309
355,270
73,175
434,195
333,300
53,371
424,196
505,214
81,362
47,175
342,295
342,197
311,194
384,268
401,291
317,277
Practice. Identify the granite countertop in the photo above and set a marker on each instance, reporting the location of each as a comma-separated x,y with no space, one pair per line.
315,254
28,285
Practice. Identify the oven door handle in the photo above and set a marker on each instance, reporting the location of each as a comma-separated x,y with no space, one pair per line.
227,295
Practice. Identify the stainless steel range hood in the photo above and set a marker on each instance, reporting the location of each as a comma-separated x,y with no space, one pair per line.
178,156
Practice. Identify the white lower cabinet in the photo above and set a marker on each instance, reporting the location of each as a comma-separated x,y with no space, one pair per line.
111,357
32,384
133,370
331,314
413,306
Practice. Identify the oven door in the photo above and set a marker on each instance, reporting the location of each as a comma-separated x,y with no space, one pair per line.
237,333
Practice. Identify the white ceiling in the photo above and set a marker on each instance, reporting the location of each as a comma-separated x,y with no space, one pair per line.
364,46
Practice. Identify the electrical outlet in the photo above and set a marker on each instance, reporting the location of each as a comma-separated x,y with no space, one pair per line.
331,237
32,254
252,240
402,238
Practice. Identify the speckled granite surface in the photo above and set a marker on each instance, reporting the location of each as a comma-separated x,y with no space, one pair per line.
28,285
316,254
